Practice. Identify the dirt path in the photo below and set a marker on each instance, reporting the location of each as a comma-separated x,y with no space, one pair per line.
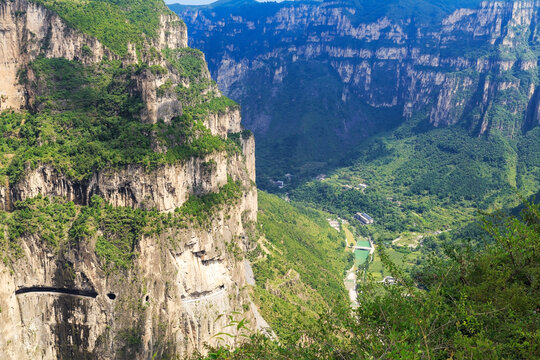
350,285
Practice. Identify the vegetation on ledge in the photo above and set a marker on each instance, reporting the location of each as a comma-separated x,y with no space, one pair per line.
116,231
116,23
86,120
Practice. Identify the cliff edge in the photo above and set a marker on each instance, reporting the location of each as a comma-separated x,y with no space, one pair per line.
127,185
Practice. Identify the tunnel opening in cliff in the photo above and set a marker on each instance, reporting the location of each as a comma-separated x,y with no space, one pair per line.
63,291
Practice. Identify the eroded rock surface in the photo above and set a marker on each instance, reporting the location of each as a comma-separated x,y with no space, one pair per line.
63,302
458,69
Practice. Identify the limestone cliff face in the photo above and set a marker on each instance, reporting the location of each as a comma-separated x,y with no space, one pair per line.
28,30
65,304
164,189
170,301
456,70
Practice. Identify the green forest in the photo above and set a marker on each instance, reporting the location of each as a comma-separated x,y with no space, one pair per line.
116,23
467,303
449,268
85,120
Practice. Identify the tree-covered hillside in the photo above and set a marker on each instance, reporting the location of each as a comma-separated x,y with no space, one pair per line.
87,121
428,181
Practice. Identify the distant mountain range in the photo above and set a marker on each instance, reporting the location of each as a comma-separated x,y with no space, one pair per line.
316,78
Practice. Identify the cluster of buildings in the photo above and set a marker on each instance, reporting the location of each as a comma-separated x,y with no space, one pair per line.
361,187
388,280
279,183
335,224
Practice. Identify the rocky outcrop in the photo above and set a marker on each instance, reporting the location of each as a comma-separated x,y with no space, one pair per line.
164,189
185,278
400,61
158,107
172,33
223,123
170,303
28,30
248,148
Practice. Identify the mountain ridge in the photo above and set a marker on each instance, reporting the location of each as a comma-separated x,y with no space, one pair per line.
476,69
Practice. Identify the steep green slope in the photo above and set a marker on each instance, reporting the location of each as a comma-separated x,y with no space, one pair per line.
420,185
298,265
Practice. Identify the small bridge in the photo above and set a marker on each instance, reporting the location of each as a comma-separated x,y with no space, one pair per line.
370,248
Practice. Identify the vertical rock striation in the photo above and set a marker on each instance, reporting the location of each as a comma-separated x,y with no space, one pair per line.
66,300
472,66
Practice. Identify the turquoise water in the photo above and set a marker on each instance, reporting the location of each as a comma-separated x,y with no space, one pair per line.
360,257
363,243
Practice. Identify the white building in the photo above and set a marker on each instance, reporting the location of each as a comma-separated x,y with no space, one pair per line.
364,218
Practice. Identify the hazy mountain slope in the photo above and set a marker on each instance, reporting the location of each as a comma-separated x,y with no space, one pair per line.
468,63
